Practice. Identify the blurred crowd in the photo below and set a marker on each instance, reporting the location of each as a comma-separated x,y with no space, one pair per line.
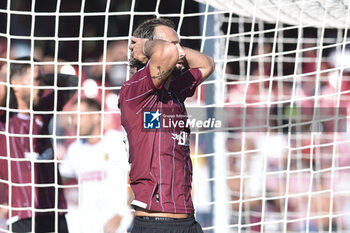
88,140
287,149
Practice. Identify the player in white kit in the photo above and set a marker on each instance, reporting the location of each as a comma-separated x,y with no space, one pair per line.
101,169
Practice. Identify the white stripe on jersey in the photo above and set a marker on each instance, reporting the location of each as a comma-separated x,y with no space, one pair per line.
133,82
160,165
140,95
172,186
139,203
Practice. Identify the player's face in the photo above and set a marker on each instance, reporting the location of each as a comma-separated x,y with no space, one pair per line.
170,35
85,119
27,80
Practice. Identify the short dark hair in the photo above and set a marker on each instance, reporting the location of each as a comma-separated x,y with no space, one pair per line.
146,30
19,68
91,103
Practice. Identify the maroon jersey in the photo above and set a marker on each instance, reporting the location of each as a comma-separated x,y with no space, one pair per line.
161,167
32,183
22,146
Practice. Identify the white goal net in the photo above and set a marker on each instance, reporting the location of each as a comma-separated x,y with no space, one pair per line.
280,163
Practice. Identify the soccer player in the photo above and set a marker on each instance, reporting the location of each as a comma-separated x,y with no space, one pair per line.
101,167
32,173
161,170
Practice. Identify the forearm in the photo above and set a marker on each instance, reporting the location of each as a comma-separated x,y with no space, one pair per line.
163,55
196,59
150,47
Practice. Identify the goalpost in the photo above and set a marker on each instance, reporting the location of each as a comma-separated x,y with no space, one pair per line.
280,163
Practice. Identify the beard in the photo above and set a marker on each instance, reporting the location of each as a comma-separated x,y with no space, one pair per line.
177,70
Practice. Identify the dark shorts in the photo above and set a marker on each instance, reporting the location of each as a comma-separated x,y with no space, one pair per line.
165,225
42,224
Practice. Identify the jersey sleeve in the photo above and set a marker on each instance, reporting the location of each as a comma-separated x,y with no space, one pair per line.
185,85
138,89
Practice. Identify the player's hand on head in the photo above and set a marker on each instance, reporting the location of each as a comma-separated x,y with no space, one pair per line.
137,49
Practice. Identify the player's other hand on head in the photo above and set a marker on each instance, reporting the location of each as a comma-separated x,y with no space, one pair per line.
137,50
112,225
